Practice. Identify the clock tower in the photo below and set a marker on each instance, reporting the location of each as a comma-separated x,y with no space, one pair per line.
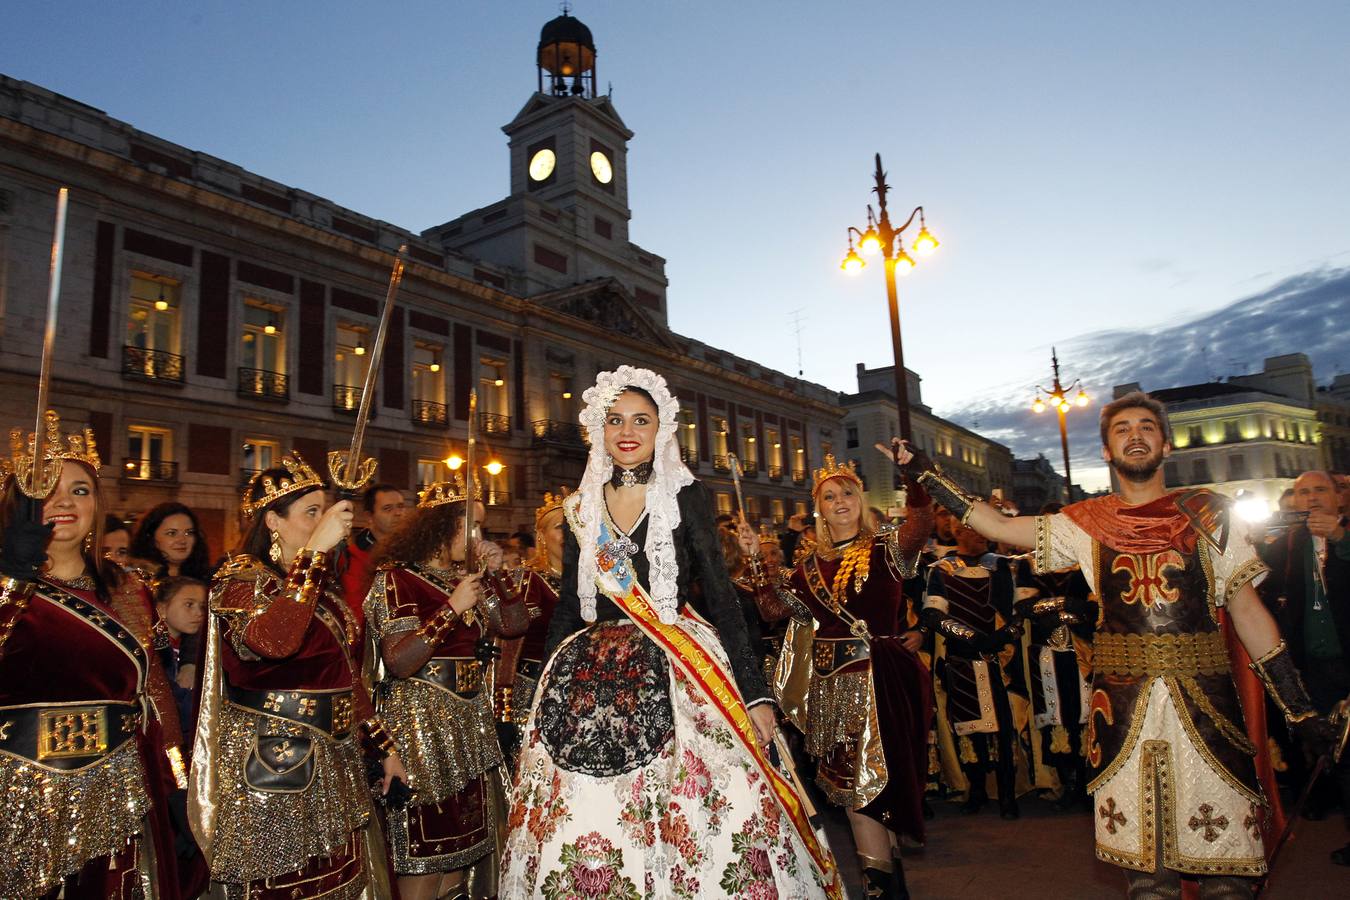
565,222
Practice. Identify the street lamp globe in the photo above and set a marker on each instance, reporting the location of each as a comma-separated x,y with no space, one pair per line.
904,263
870,243
925,243
1038,405
1082,398
853,263
494,468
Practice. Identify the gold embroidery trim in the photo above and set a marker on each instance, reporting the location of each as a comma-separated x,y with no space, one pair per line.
1142,655
1246,573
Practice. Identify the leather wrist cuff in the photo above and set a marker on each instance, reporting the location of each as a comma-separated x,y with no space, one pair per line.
501,702
434,630
378,739
948,493
305,579
1284,685
954,629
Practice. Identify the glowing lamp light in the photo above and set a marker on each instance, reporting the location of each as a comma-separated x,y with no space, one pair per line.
1064,406
690,426
434,367
1082,398
1038,405
130,465
454,461
499,382
269,328
161,304
925,243
494,468
870,242
904,263
1251,507
853,263
567,395
359,349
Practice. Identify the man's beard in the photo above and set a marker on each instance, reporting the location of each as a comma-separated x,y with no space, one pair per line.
1139,470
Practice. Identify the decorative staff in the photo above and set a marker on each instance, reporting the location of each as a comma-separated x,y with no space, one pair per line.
34,477
736,472
349,471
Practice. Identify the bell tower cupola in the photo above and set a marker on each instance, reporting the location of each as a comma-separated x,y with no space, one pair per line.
566,58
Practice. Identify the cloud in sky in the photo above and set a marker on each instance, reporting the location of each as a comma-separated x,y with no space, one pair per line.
1306,313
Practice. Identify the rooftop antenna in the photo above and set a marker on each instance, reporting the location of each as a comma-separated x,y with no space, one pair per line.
565,7
797,329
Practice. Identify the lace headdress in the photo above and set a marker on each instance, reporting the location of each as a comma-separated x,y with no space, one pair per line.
669,474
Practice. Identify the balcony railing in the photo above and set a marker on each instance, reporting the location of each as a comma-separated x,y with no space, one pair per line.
347,399
799,476
775,473
429,412
260,384
552,431
151,365
748,465
689,456
153,471
721,464
492,423
496,498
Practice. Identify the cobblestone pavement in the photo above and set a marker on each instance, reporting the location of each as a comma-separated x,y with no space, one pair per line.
1047,855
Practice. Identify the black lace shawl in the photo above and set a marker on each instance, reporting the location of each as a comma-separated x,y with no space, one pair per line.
698,552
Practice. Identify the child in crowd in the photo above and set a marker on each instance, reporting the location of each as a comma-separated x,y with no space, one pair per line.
180,604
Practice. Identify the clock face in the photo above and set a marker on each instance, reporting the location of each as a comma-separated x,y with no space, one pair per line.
601,168
541,165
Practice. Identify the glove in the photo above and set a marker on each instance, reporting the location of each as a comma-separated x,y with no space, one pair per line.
1317,734
1008,634
25,550
486,650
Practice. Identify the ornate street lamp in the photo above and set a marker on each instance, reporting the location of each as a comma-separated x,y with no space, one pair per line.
1058,397
882,236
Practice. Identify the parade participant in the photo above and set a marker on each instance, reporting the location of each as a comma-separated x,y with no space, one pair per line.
385,508
170,538
89,736
522,659
642,772
424,617
969,604
279,801
1062,617
853,685
1174,787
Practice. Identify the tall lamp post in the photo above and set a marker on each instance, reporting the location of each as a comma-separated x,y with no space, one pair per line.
1058,397
881,235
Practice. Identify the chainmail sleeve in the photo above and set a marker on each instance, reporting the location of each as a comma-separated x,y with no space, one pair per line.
719,595
566,619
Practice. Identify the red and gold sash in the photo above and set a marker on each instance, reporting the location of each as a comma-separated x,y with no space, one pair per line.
702,669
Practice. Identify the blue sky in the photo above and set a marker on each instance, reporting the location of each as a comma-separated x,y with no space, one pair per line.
1089,167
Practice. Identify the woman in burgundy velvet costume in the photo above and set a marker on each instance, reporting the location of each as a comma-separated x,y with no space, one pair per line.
423,611
88,730
279,799
854,686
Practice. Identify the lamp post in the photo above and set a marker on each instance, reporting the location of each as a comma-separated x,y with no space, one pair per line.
1059,399
881,235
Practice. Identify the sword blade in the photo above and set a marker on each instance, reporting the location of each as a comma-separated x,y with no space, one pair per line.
49,334
735,466
373,369
469,479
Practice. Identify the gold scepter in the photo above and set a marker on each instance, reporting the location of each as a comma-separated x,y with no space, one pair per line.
349,471
36,479
735,464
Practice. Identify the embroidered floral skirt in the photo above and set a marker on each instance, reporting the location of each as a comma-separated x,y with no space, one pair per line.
632,786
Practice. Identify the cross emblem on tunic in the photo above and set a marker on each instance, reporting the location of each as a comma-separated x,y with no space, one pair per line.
1253,824
1112,815
434,670
1211,825
5,729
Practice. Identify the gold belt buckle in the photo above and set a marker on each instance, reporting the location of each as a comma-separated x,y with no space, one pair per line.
342,713
468,677
72,731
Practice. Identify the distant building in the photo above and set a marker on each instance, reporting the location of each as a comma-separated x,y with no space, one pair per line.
1036,483
1333,412
1252,433
978,463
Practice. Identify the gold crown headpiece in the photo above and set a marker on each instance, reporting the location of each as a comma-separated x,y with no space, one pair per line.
831,469
551,502
442,492
78,446
299,478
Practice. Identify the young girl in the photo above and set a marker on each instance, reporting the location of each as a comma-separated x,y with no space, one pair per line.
180,604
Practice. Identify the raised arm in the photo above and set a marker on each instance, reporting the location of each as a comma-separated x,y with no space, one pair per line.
408,640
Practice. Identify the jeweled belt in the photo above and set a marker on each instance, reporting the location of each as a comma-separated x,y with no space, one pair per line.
67,736
1139,655
462,675
328,711
831,654
530,668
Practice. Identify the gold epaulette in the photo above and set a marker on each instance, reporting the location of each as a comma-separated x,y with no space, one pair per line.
241,567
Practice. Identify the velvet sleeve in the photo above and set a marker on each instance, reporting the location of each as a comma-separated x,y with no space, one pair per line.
719,595
567,614
278,630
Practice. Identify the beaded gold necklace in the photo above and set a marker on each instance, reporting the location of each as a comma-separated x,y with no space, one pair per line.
856,561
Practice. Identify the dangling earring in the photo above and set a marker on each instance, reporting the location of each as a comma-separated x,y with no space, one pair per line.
274,551
88,543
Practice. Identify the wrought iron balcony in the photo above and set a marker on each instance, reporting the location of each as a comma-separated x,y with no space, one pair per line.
154,471
775,473
749,466
492,423
151,365
799,476
721,464
260,384
347,399
689,456
550,431
496,498
429,412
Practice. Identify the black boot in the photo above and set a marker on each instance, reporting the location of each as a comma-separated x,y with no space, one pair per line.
1007,790
977,797
883,879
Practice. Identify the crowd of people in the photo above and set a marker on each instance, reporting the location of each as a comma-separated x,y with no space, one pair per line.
631,699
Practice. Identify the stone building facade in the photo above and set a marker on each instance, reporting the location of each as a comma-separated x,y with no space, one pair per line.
212,319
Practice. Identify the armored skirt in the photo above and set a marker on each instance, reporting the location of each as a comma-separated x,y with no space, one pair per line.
632,780
441,719
279,800
83,765
518,668
860,697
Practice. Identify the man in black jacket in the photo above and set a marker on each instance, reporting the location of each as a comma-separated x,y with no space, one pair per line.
1308,590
